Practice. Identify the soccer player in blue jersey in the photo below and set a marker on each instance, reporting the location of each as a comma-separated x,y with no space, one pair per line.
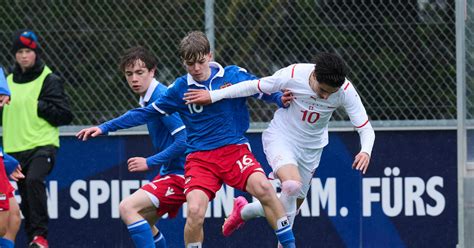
217,149
10,218
141,210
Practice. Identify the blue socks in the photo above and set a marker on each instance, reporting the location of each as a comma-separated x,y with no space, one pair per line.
284,233
6,243
141,234
160,241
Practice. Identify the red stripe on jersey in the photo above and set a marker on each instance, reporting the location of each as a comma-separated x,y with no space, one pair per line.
293,71
346,86
258,86
365,123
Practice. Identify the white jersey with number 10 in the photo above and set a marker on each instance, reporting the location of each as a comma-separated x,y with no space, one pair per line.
306,119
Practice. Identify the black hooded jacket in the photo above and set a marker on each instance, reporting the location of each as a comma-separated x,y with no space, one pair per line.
53,103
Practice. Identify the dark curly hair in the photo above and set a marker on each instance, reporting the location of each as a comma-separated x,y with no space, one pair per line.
130,56
330,69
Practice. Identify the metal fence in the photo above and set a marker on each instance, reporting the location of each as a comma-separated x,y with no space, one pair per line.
401,54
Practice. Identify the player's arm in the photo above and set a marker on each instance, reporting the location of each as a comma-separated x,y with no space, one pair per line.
163,106
266,85
356,111
131,118
281,99
4,91
12,167
10,163
177,129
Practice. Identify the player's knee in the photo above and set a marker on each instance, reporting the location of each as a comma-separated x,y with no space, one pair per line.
291,187
195,214
264,190
125,208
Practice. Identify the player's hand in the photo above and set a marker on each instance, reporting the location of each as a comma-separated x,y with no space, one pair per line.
17,174
200,97
4,99
361,162
137,164
286,98
88,132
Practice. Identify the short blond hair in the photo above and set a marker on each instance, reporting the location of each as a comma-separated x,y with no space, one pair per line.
194,46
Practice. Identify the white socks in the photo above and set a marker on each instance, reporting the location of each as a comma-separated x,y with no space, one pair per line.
252,210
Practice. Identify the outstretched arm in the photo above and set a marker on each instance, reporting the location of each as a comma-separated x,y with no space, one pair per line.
132,118
266,85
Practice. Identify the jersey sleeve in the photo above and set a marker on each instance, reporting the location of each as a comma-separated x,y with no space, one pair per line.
358,116
177,129
244,75
272,98
131,118
10,163
173,123
3,83
353,106
170,101
140,116
265,85
276,82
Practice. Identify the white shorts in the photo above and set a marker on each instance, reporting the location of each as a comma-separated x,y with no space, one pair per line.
281,151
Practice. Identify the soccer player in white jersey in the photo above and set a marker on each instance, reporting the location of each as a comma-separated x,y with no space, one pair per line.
318,90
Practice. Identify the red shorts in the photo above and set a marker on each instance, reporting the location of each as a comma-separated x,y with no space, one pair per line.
6,189
207,170
169,192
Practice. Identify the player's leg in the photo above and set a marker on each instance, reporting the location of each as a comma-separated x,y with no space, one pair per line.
5,207
14,219
152,218
167,195
200,185
281,154
4,242
197,206
4,216
137,226
240,169
259,186
290,188
308,162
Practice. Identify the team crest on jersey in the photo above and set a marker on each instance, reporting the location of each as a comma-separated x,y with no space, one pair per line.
225,85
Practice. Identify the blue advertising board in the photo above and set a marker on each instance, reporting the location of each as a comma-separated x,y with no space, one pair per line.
406,199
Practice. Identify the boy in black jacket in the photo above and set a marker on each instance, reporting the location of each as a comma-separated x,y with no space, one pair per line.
37,107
